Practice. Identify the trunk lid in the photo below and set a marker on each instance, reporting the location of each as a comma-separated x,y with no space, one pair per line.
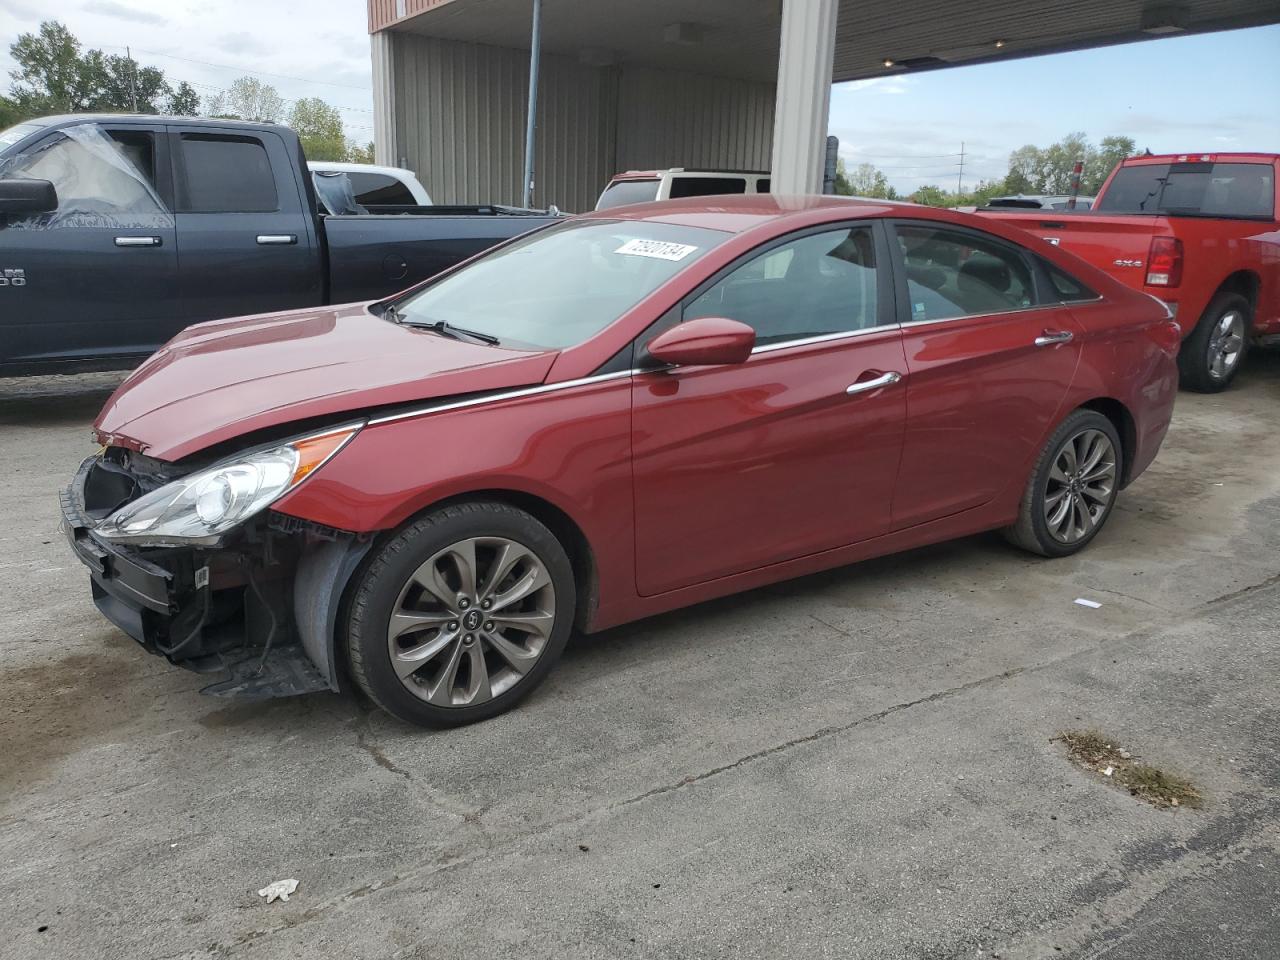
216,381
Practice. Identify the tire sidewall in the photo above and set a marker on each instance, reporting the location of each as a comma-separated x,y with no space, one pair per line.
379,586
1075,424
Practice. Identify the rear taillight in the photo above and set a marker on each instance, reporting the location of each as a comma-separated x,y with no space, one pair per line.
1164,262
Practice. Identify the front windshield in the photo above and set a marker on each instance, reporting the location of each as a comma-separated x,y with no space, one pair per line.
560,286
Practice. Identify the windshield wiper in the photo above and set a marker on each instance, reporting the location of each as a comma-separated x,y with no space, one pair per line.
449,330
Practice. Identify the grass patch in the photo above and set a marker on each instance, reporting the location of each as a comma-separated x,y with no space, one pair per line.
1103,755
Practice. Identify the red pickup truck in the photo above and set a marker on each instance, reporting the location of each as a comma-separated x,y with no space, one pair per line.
1198,231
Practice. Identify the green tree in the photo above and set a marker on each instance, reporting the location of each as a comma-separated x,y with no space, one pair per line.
931,196
9,113
1109,153
121,83
183,101
1048,170
319,127
52,77
248,99
359,154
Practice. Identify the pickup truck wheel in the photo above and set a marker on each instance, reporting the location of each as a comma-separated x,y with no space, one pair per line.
1210,357
1072,489
460,615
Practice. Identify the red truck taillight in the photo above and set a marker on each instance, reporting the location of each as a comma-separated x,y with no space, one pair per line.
1164,262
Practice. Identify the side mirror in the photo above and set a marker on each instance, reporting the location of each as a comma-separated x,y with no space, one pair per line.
704,341
27,196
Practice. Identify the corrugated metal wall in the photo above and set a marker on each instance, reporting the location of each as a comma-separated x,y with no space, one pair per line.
460,108
460,112
669,119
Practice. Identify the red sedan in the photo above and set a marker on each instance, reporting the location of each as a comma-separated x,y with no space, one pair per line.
611,417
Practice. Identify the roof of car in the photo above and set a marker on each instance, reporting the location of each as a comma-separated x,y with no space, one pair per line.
67,119
1202,157
736,213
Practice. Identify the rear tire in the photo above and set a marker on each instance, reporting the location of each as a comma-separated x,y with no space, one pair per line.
1072,488
1210,358
460,615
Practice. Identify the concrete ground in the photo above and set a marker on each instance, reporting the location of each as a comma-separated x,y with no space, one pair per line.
857,764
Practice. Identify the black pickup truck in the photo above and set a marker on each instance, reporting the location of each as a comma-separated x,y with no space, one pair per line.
118,231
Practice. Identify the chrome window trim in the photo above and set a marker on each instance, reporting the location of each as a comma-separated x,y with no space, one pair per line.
825,338
498,397
999,313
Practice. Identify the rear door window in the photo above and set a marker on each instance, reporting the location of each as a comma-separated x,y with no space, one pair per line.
225,174
1193,189
379,189
622,192
706,186
953,273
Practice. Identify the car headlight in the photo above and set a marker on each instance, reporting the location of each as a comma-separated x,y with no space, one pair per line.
204,505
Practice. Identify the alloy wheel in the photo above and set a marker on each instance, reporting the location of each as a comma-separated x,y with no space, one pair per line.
1226,343
471,621
1080,486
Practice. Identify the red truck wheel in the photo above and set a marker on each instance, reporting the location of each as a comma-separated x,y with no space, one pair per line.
1210,358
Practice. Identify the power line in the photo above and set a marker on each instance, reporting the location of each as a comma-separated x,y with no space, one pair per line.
243,70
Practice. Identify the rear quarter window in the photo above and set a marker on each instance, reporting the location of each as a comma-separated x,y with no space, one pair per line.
621,192
706,186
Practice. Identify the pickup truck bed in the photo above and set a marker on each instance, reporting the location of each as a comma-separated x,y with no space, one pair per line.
160,223
1196,231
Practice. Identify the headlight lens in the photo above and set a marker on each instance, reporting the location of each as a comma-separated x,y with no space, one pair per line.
201,507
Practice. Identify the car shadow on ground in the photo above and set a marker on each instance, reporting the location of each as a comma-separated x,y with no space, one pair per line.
54,400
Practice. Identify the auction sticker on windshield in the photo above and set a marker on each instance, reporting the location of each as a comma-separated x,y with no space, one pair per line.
658,249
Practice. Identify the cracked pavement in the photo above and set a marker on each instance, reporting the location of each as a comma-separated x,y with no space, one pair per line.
854,764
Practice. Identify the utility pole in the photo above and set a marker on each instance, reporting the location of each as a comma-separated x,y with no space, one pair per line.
960,175
133,79
531,121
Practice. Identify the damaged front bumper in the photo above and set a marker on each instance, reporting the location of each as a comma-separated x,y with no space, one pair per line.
259,609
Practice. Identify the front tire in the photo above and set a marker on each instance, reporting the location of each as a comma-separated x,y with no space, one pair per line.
1210,358
460,615
1072,489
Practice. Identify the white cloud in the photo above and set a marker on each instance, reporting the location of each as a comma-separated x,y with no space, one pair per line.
120,11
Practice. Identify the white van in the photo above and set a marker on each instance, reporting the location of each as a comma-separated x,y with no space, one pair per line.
642,186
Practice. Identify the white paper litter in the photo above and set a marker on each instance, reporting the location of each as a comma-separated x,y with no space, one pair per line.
1091,604
1106,773
278,890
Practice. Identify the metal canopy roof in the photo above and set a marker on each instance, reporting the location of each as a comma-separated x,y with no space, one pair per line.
739,38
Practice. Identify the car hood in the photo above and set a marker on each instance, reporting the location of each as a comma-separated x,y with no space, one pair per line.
219,380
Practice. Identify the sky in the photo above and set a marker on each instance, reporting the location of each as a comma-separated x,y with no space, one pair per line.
1205,92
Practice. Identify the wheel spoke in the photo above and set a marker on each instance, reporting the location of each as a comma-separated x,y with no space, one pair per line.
1096,449
1098,494
408,662
507,556
520,659
404,621
464,560
478,690
535,579
1068,458
441,692
428,577
538,622
1058,518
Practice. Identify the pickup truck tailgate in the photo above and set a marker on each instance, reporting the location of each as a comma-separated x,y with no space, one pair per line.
1117,245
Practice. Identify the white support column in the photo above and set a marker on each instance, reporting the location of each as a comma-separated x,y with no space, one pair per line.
805,56
385,141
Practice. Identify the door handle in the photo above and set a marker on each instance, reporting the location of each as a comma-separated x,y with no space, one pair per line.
884,380
276,239
137,241
1050,337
